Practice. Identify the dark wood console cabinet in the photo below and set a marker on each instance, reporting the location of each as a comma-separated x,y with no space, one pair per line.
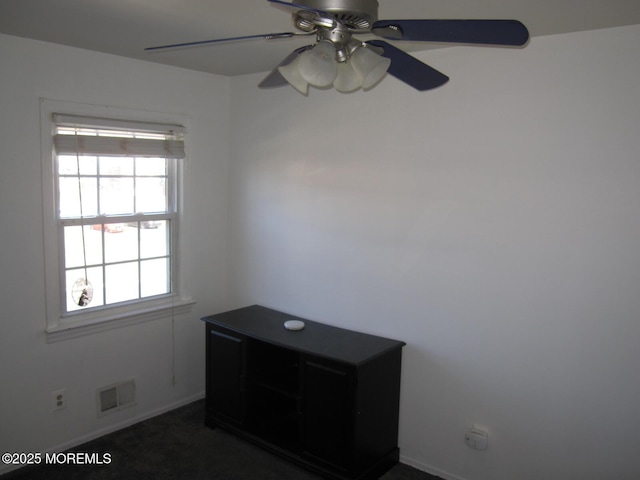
324,397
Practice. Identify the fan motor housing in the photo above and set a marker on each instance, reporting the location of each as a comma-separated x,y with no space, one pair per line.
357,15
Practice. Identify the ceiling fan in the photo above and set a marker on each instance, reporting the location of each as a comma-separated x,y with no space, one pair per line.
338,59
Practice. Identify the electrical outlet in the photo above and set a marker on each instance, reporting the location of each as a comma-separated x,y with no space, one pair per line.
58,400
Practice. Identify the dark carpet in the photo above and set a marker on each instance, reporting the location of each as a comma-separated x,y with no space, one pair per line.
178,446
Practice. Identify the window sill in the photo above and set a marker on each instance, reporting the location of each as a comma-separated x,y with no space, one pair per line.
68,328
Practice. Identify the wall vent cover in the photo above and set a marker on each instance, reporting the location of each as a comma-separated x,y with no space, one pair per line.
115,397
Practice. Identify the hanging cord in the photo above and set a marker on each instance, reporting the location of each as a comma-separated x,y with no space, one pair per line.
85,297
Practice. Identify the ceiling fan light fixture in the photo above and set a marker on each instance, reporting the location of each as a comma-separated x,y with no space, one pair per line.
335,21
318,65
291,74
347,80
370,66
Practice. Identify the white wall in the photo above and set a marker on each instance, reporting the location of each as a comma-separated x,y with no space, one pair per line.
30,368
493,224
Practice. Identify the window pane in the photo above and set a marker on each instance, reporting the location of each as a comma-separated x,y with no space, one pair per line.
70,197
75,249
120,243
154,238
75,283
151,166
121,282
154,277
116,196
151,195
68,165
116,166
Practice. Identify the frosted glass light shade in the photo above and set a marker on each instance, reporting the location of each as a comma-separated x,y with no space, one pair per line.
369,65
347,80
318,66
291,74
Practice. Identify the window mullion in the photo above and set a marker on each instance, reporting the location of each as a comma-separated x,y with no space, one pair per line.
104,267
98,186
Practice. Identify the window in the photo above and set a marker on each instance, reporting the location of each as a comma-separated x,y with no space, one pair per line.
115,195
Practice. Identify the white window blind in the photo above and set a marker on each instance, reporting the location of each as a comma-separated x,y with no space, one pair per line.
108,137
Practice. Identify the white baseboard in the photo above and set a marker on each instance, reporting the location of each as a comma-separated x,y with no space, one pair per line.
429,469
112,428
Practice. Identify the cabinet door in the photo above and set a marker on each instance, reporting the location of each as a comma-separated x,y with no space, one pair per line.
226,375
328,412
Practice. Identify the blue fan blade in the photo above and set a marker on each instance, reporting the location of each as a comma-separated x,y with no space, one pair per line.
275,79
265,36
409,69
487,32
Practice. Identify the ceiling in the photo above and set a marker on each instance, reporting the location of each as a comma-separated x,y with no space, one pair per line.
126,27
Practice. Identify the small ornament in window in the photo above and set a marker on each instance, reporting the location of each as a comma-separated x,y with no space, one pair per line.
82,292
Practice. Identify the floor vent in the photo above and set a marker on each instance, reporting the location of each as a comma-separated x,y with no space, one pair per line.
116,397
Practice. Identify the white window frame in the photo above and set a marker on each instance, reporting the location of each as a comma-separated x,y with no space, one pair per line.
60,325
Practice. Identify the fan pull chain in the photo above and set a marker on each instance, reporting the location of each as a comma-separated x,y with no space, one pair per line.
85,296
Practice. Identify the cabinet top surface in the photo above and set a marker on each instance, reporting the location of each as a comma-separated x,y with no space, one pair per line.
316,338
